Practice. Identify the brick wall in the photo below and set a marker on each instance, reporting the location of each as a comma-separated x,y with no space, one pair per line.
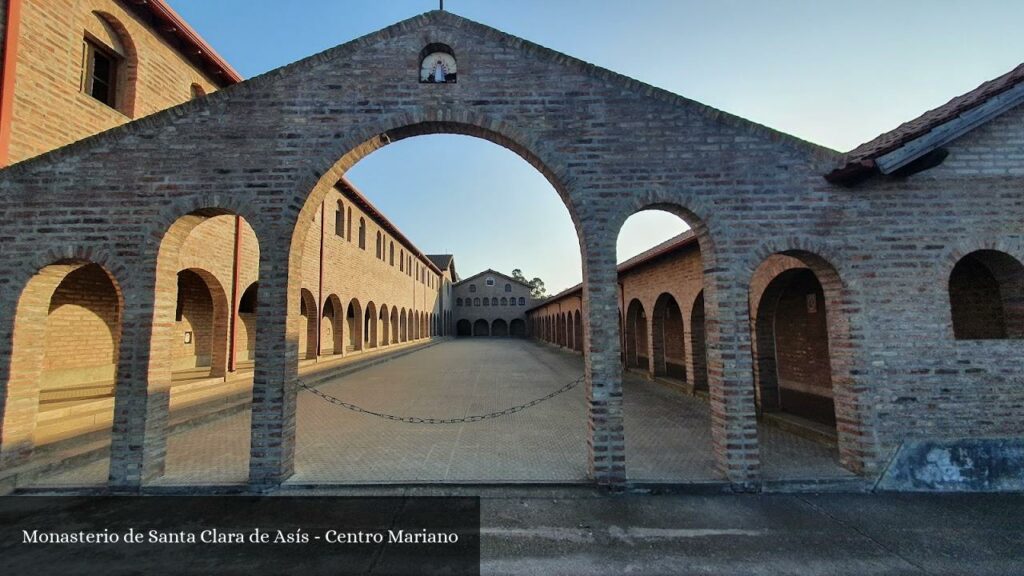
273,148
356,276
82,330
474,309
49,73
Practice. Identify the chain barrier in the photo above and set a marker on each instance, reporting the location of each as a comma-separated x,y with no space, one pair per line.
418,420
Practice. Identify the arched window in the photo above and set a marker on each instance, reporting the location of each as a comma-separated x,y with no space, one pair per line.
986,296
380,247
504,301
350,224
522,301
401,260
196,91
339,220
458,302
472,287
487,301
392,253
476,301
362,233
508,287
109,63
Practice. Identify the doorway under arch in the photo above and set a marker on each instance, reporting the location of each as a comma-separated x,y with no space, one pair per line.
66,348
499,328
636,336
481,328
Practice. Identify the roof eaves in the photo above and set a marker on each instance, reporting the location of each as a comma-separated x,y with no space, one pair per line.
177,26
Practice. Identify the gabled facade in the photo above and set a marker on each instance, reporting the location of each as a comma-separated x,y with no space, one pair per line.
901,263
491,304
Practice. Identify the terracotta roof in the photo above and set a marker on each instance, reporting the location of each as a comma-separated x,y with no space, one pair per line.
670,245
861,159
352,193
166,22
667,247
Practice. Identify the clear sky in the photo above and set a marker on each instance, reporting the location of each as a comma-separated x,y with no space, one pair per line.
834,72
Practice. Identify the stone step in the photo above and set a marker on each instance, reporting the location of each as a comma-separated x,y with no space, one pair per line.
809,429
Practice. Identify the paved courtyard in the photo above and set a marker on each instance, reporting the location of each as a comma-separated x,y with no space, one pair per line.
668,433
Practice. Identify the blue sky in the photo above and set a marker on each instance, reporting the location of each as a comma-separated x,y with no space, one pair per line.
836,73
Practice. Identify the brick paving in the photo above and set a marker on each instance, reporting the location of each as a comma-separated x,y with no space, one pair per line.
668,435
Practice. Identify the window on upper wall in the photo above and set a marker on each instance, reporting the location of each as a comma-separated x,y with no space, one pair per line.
401,261
362,233
504,301
392,253
349,225
196,91
339,221
508,287
472,287
476,301
101,67
380,247
489,282
522,301
458,302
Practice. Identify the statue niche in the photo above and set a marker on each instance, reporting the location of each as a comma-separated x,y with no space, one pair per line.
437,65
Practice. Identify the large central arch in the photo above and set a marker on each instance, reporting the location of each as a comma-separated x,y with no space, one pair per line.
273,461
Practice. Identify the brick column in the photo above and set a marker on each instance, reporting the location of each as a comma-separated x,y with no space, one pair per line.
606,439
272,449
654,351
730,380
138,446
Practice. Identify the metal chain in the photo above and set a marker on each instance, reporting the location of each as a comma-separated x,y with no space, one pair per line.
418,420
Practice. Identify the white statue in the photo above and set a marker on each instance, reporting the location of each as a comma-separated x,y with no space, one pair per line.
439,72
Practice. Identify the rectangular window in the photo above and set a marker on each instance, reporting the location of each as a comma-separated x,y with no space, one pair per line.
100,73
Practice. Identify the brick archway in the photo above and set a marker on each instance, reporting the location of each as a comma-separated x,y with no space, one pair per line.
79,283
355,145
635,336
668,338
332,331
856,448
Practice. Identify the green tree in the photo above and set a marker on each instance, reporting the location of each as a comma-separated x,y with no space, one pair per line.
537,289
